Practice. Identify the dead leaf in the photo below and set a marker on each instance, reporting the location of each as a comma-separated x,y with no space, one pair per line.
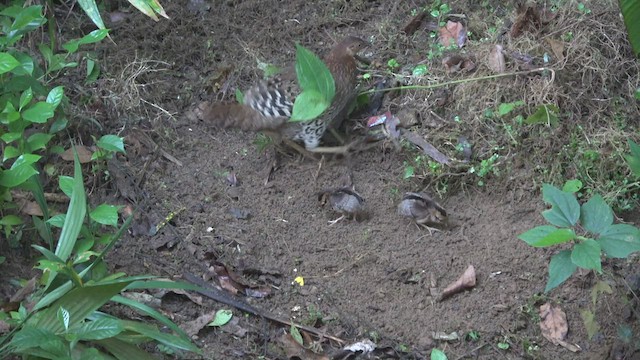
590,323
456,63
466,281
553,324
453,33
293,349
25,291
414,24
193,327
29,207
527,20
84,154
496,60
557,47
443,336
194,298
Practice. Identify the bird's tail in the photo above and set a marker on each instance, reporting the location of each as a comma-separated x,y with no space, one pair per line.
237,116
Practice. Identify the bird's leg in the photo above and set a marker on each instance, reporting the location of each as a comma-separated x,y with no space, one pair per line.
304,152
333,222
429,228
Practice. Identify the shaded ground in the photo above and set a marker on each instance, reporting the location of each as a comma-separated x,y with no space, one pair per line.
371,278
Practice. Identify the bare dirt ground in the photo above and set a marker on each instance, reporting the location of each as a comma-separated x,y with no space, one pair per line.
377,277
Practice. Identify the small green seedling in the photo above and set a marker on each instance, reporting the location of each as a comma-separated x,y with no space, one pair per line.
588,227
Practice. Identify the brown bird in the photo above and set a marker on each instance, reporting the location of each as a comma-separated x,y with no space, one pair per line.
344,200
423,210
267,106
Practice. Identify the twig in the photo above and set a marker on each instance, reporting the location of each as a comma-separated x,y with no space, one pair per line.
472,351
230,300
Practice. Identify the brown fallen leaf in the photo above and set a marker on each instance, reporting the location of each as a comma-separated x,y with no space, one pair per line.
25,291
496,60
84,154
453,33
528,20
557,47
466,281
29,207
293,349
194,326
456,63
554,327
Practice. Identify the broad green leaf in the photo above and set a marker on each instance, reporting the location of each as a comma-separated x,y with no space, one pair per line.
11,136
80,302
10,220
91,9
596,215
38,141
93,71
308,105
33,337
25,98
99,329
544,114
620,240
9,113
146,310
123,350
57,220
30,18
313,74
26,159
7,62
105,214
17,175
547,235
437,354
92,37
10,152
55,96
26,64
75,214
39,113
572,186
565,210
164,338
633,159
630,10
111,143
58,125
505,108
586,255
560,269
144,7
66,185
155,5
223,316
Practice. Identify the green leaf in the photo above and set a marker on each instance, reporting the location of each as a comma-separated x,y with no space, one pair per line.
149,8
239,96
308,105
27,20
586,255
93,71
63,317
10,152
39,113
222,317
295,333
420,70
633,160
105,214
590,323
25,98
91,9
58,125
55,96
99,329
10,220
505,108
11,136
10,114
437,354
164,338
112,143
560,269
17,175
547,235
565,210
123,350
31,337
92,37
596,216
75,214
620,240
630,10
57,220
7,62
572,186
146,310
38,141
66,185
26,64
544,114
313,74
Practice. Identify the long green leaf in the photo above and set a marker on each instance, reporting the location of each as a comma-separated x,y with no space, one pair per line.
164,338
149,311
123,350
91,9
630,10
75,214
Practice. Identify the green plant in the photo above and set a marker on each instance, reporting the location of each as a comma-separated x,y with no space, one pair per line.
437,354
587,228
393,64
317,84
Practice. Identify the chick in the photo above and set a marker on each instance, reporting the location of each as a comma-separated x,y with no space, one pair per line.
423,210
343,200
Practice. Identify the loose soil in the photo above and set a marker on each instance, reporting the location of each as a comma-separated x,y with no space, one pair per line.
377,277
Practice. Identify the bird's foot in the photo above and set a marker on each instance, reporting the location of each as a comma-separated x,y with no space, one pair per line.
333,222
429,228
